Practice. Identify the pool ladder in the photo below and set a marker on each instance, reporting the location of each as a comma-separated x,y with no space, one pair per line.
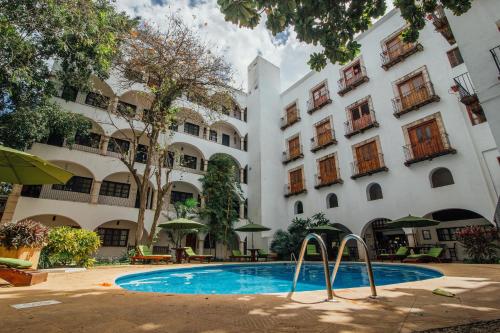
324,256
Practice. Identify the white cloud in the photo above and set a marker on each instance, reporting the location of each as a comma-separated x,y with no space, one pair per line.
239,45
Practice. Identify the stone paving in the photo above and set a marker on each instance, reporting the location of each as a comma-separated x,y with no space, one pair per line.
88,307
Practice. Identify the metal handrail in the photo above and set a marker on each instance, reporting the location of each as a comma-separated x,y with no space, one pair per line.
367,260
324,256
293,257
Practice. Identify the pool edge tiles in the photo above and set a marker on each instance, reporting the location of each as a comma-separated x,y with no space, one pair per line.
266,278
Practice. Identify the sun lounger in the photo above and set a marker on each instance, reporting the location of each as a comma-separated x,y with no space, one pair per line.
236,255
400,254
145,253
311,251
433,255
191,255
17,272
263,254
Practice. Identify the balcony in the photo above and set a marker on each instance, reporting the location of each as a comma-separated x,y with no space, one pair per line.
292,154
368,167
363,123
323,140
327,180
116,201
289,120
427,149
316,104
399,52
414,99
440,22
295,189
358,78
495,53
47,192
465,88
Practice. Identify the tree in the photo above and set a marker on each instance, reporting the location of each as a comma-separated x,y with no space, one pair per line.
187,209
82,36
222,192
168,65
332,24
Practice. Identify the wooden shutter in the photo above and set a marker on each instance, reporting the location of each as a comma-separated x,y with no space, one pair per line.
296,183
425,139
324,133
367,157
291,114
327,170
294,147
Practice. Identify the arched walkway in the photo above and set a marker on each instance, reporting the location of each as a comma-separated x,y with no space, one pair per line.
116,237
53,221
382,238
185,155
226,134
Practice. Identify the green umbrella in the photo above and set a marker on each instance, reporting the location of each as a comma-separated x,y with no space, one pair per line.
411,221
180,227
17,167
324,228
252,227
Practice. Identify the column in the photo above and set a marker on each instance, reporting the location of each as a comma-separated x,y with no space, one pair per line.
242,143
207,133
205,165
114,104
242,246
94,192
242,175
242,210
202,201
10,205
201,243
155,198
104,145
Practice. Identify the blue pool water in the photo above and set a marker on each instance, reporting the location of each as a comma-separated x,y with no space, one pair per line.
266,278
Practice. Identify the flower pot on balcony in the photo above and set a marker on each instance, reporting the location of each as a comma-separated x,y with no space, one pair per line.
454,88
30,254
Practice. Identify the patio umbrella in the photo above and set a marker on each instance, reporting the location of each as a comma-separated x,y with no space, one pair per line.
181,224
324,228
411,221
252,227
17,167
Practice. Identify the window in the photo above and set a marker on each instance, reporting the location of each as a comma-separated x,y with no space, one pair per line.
426,234
320,95
395,47
75,184
173,126
114,189
455,57
226,140
292,114
327,170
294,147
413,91
425,139
447,234
332,201
324,132
441,177
476,113
90,140
213,136
296,181
237,113
188,161
97,100
367,157
118,146
141,155
192,129
352,73
113,237
69,93
298,208
374,192
360,116
126,108
178,196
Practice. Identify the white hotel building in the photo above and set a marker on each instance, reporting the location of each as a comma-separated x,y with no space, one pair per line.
391,133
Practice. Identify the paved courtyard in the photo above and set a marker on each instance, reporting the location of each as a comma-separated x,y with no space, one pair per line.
88,307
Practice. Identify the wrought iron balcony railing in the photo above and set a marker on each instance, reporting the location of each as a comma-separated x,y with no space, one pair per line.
465,88
414,99
495,53
398,53
428,149
321,180
323,140
348,84
355,126
292,154
295,188
318,103
290,119
369,166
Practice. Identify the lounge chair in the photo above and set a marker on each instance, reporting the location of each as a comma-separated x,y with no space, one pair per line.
191,255
237,255
400,254
433,255
145,253
311,251
263,254
18,274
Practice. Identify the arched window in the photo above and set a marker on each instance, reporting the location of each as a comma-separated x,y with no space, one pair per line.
298,208
441,177
332,201
374,192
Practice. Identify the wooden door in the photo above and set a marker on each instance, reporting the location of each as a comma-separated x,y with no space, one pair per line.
320,96
324,133
327,170
291,114
425,139
394,47
296,183
294,147
361,116
413,91
367,157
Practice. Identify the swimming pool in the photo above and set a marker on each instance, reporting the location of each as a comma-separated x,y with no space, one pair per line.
266,278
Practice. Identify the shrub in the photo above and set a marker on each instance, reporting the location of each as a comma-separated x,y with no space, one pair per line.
69,246
27,233
480,243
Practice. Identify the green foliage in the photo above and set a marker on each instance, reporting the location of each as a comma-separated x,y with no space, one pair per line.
331,24
481,244
187,209
82,35
27,233
69,246
287,242
222,192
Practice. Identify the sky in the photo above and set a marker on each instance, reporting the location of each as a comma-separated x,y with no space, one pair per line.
239,45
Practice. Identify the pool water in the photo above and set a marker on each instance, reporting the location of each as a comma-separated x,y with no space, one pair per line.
267,278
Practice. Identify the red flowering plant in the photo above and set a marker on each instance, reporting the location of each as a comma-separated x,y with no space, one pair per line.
27,233
480,243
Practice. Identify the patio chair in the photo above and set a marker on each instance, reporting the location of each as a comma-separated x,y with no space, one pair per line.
263,254
311,251
434,254
191,255
145,253
237,255
17,272
400,254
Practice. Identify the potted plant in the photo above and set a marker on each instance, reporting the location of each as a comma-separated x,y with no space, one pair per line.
23,240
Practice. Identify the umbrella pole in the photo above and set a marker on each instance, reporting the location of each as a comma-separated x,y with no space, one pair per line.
253,247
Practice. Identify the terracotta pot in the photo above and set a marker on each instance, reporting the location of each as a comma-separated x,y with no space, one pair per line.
25,253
